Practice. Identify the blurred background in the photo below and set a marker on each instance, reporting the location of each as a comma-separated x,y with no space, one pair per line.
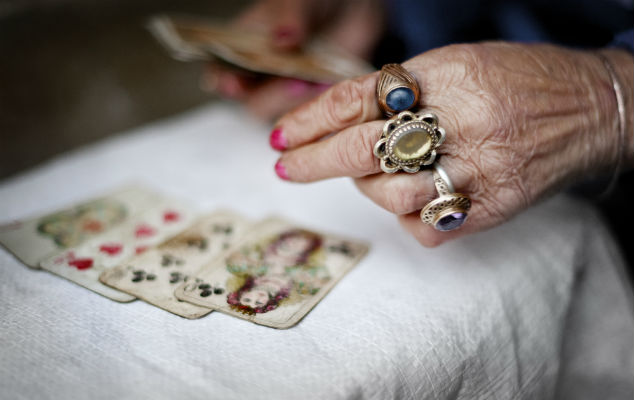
75,71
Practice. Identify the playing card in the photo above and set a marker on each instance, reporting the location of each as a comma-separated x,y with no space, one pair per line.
84,264
275,275
154,274
163,30
189,39
32,240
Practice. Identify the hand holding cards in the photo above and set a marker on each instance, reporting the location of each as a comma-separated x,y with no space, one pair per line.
190,39
138,243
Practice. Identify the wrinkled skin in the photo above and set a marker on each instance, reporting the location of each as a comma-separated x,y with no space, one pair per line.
522,121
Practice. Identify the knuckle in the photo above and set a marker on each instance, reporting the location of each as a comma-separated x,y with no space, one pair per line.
497,187
355,154
366,142
486,108
400,199
492,210
464,60
344,106
496,114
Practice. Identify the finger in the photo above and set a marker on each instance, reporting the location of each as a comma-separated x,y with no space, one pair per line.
347,153
403,193
292,24
209,79
348,103
276,96
229,83
286,22
399,193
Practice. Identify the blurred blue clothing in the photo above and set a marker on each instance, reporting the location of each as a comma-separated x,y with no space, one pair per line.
425,24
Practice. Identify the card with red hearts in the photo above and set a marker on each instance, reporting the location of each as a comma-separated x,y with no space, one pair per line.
154,274
83,264
34,239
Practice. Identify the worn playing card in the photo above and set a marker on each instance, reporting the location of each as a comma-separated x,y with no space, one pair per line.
84,264
153,275
32,240
190,39
163,30
275,275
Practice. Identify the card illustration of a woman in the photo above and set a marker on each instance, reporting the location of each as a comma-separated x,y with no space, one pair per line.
276,270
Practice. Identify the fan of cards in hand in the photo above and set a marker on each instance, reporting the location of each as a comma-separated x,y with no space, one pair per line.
191,39
136,243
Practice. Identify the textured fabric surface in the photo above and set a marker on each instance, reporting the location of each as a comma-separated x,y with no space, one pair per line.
534,309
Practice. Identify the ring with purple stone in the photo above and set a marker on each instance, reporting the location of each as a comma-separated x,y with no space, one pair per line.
449,211
396,90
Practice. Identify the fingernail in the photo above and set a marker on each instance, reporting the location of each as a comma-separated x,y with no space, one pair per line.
280,170
284,33
277,140
297,87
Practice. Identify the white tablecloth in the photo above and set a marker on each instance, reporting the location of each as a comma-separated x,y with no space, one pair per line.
534,309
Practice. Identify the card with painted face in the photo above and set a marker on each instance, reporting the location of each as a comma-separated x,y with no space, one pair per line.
189,39
34,239
84,264
153,275
275,275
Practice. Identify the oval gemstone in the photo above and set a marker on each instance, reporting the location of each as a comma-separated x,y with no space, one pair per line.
400,99
451,221
412,145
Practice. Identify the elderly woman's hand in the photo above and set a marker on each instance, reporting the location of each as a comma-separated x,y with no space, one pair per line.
521,122
289,24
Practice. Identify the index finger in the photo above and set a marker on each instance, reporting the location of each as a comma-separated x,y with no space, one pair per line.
347,103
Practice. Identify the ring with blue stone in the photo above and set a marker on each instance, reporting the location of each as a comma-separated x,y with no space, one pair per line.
449,211
396,90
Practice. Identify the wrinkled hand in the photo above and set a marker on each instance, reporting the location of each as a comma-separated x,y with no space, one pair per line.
353,26
522,121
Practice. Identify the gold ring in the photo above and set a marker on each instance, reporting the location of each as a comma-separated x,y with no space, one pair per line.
396,89
409,141
449,211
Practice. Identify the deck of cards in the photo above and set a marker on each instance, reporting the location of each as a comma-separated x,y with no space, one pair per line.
136,243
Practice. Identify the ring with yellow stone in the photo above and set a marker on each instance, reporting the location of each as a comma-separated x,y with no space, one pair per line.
408,142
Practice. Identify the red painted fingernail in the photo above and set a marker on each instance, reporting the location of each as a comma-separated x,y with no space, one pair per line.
277,140
280,170
284,33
